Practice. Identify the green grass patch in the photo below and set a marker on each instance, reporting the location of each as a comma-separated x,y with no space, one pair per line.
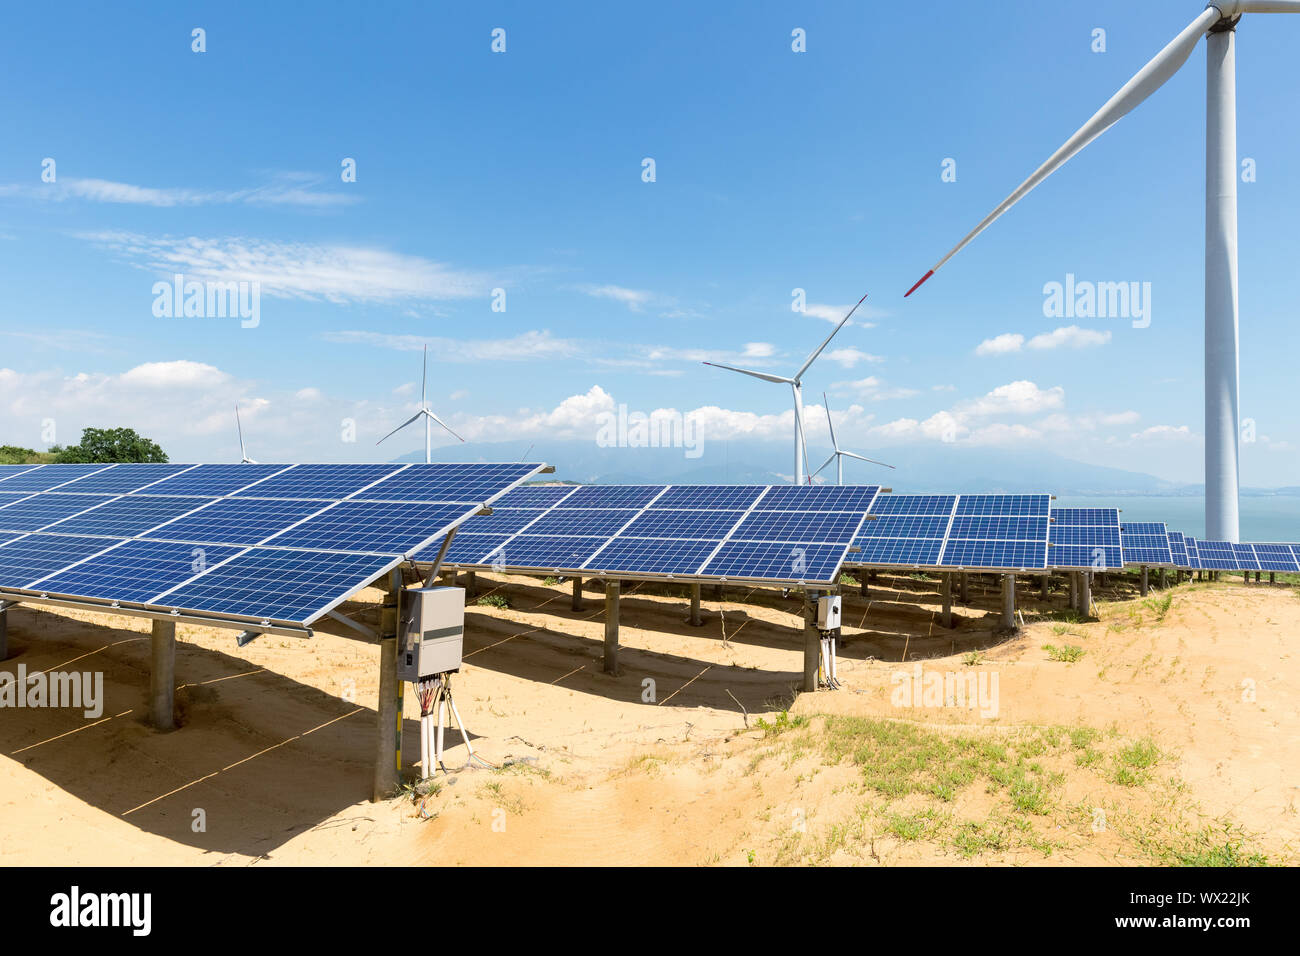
1069,653
493,600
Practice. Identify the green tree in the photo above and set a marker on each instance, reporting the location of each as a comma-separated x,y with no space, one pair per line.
112,445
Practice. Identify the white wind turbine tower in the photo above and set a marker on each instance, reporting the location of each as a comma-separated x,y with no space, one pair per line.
243,455
840,454
426,412
796,386
1218,23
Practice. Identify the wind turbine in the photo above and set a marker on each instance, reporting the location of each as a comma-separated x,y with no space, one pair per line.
243,455
796,386
427,412
1218,23
839,454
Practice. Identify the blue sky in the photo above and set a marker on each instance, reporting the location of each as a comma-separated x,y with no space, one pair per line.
522,170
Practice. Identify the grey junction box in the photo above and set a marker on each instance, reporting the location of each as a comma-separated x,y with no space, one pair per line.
435,631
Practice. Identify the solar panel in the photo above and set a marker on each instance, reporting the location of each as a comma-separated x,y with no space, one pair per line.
998,533
907,552
1029,505
940,505
1178,548
1085,538
1216,555
658,530
1193,560
535,496
1146,543
116,536
1276,557
9,471
1245,555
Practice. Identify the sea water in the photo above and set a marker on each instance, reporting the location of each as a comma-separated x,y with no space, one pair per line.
1263,518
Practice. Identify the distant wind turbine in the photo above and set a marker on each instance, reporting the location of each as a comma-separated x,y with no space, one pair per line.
839,454
243,455
427,412
796,386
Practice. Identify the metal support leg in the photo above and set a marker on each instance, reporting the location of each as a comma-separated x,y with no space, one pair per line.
1043,592
695,605
387,739
717,592
4,633
1085,593
1142,590
945,592
162,675
1074,590
611,627
469,584
577,594
812,642
1008,600
964,588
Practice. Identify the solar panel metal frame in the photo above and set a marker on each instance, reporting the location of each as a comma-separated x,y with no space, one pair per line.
158,608
597,497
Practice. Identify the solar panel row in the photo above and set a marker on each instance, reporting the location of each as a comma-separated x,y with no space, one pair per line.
237,541
772,534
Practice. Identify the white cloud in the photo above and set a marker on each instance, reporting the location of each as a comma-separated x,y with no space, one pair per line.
172,374
1071,336
873,389
290,189
849,357
527,345
1015,398
1178,433
758,350
1001,344
332,273
634,299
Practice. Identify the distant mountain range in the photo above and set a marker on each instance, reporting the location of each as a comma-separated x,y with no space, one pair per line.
922,469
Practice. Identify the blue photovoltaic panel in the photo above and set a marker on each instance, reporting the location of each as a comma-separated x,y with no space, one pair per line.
760,560
909,552
236,520
825,527
905,526
655,555
38,511
282,585
534,496
818,498
1085,538
1246,560
329,482
370,526
471,484
1216,555
215,481
134,571
1145,543
124,517
120,479
710,497
1276,557
46,477
657,523
935,505
544,551
1178,548
30,557
1004,505
465,548
582,521
502,521
975,553
612,496
998,528
9,471
1193,559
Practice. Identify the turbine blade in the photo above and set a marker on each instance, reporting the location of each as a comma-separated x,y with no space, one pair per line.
424,373
824,464
862,458
830,424
763,375
1145,82
812,358
243,455
425,411
413,418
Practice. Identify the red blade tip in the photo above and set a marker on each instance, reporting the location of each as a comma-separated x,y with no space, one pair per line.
918,283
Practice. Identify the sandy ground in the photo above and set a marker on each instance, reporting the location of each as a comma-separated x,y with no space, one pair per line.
273,761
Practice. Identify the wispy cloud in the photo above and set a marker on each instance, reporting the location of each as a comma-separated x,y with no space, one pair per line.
294,189
522,347
1070,336
634,299
292,270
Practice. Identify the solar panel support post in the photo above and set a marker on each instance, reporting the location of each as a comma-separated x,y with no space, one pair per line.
1272,579
812,642
1162,581
1145,586
388,737
162,675
1074,590
696,620
963,588
1043,591
945,619
611,627
469,584
577,594
4,633
1085,593
1009,601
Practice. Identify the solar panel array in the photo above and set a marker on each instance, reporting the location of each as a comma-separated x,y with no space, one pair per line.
1146,543
956,532
267,543
1086,539
792,534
